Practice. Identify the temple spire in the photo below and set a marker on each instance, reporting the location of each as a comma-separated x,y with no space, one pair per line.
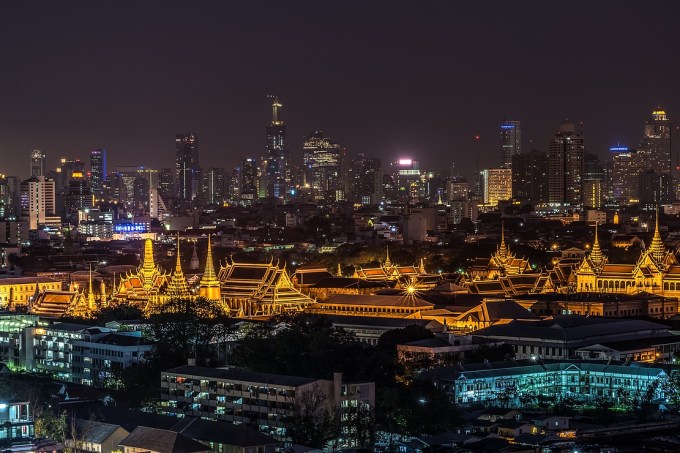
148,263
209,286
422,265
178,264
503,249
178,288
388,263
339,273
656,247
91,304
596,253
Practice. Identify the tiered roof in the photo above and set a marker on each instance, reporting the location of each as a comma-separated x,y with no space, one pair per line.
262,283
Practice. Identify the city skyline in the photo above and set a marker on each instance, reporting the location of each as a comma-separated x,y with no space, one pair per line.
425,93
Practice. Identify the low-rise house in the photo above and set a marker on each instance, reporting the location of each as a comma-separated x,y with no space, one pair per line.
153,440
96,437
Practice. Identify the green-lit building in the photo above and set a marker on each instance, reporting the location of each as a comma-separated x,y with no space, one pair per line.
13,339
509,383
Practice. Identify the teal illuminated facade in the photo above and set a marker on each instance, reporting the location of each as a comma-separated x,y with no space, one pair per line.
493,384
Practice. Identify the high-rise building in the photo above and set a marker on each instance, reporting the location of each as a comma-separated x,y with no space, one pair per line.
322,160
655,147
38,201
9,197
68,168
248,181
626,167
457,189
187,169
654,189
277,169
593,181
97,170
496,185
511,142
213,186
37,163
77,197
368,180
530,176
565,165
166,183
406,179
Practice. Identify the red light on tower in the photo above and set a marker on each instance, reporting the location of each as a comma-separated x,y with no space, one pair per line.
477,137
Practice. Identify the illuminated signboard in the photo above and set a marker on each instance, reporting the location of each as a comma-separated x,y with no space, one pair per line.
130,228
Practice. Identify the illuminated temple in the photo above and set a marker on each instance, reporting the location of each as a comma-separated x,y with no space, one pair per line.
144,285
657,271
259,289
501,264
403,275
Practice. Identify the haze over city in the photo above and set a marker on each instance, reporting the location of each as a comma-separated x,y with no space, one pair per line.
388,79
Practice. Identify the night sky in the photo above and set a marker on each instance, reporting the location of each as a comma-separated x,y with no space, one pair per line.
389,79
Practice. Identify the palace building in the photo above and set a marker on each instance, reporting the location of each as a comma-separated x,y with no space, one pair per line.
145,285
259,289
657,271
502,263
405,276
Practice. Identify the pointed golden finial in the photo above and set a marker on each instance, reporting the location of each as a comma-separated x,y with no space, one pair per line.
388,263
339,272
503,249
656,247
91,304
178,266
596,252
209,287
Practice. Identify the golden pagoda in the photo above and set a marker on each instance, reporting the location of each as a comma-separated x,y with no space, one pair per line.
209,287
145,284
502,263
178,288
91,303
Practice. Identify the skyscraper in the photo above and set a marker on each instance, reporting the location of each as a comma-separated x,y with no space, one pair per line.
38,201
368,180
593,181
565,165
248,181
655,148
68,168
213,186
166,183
530,176
97,170
511,142
322,160
278,158
187,169
37,163
496,185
